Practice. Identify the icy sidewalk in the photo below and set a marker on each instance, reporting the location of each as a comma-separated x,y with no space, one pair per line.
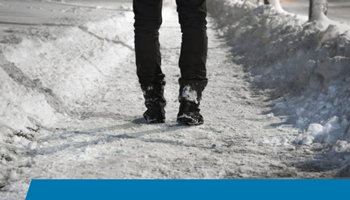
83,76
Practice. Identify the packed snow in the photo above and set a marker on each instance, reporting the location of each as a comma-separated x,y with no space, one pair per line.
277,104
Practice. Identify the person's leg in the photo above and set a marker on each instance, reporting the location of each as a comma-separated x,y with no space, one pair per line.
193,57
148,18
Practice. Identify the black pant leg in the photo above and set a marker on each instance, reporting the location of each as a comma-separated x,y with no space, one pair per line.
194,47
148,18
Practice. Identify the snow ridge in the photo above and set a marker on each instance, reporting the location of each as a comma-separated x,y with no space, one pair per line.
303,66
49,74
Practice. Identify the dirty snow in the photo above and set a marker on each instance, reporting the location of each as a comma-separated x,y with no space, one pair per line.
276,106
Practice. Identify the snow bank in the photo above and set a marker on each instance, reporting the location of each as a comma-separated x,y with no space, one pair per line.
49,73
53,71
304,66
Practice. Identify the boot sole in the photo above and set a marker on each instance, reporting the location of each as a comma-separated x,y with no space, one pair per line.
155,121
189,121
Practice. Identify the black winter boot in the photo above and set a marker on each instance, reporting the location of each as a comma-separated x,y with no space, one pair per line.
189,98
189,113
155,102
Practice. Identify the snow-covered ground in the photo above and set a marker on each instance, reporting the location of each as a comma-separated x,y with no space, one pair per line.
302,65
277,104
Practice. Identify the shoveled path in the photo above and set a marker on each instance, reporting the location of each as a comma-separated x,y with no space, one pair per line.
111,141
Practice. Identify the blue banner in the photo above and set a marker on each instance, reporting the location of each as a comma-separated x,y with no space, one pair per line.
188,189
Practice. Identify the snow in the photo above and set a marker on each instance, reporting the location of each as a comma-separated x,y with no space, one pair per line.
304,64
189,94
277,101
277,6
